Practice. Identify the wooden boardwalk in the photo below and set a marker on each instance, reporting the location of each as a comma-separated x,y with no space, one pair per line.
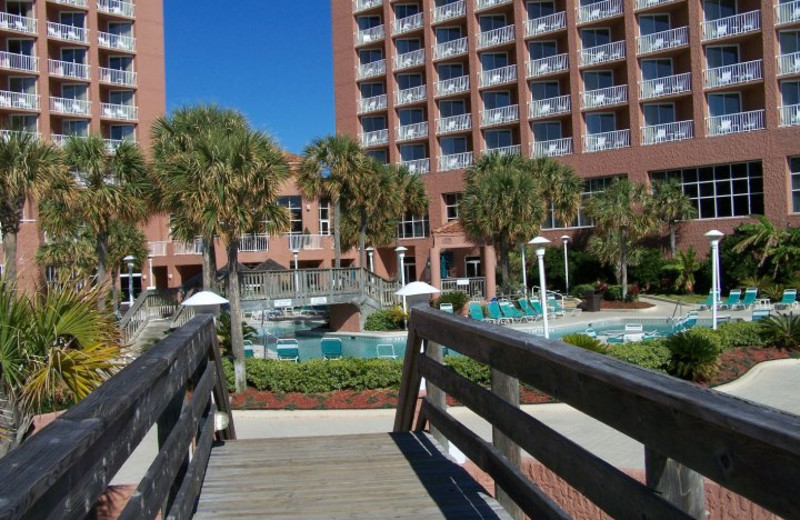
356,476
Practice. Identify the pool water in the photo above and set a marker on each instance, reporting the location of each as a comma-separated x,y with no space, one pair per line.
662,327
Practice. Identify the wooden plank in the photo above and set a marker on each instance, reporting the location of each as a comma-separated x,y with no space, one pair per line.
507,389
190,487
409,385
435,395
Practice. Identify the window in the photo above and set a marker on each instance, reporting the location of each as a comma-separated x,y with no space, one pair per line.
406,81
405,45
119,63
410,269
789,41
653,23
546,131
405,10
489,22
790,92
24,123
120,132
412,152
76,19
544,90
590,187
410,116
453,145
595,79
595,37
294,204
540,9
715,9
369,90
794,168
452,108
724,103
19,46
20,8
74,56
368,22
496,99
725,190
121,97
451,202
373,123
381,156
721,55
600,122
498,139
543,49
447,34
659,113
413,227
26,85
120,28
494,60
79,127
450,70
369,55
74,91
324,218
654,69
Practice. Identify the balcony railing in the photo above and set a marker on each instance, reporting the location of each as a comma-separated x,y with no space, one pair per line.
604,97
497,36
409,23
118,111
790,115
733,74
736,123
254,242
69,33
413,131
603,53
548,65
459,123
549,107
456,161
18,100
18,23
644,4
599,10
192,248
666,86
363,5
411,95
376,138
77,3
552,148
788,12
451,86
157,248
449,11
499,76
68,69
514,149
61,139
666,132
789,63
70,106
117,42
116,7
451,48
409,59
499,116
372,104
546,24
6,134
732,25
486,4
418,165
474,287
371,35
307,242
607,141
118,77
15,61
371,69
113,144
664,40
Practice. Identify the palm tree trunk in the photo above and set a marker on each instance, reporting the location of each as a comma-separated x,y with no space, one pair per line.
362,243
10,256
672,246
209,264
504,262
13,423
234,297
115,289
337,237
623,249
101,248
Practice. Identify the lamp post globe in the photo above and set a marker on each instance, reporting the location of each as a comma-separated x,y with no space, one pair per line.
539,243
714,236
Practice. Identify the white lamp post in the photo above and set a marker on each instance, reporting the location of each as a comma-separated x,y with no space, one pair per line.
524,273
129,259
714,236
151,283
565,239
540,242
370,250
295,255
401,254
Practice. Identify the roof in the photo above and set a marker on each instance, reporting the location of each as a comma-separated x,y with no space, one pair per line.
452,227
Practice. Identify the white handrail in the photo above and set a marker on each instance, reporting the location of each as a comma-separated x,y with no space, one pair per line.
372,104
665,86
546,24
157,248
644,4
457,123
371,69
607,140
599,10
787,12
118,111
67,32
486,4
118,77
370,35
498,116
116,41
117,7
61,105
412,131
16,61
663,40
790,115
514,149
19,23
375,138
451,48
417,165
452,85
604,97
789,63
409,59
497,36
254,242
449,11
731,25
499,76
666,132
363,5
192,248
68,69
552,147
77,3
456,161
735,123
409,23
549,106
548,65
20,100
733,74
603,53
411,95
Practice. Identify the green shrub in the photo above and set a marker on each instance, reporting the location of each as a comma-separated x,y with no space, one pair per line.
652,355
711,335
227,369
781,331
579,290
458,298
694,357
773,291
386,319
470,369
613,293
585,342
740,334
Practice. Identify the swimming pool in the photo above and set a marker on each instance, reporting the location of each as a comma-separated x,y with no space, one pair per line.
365,347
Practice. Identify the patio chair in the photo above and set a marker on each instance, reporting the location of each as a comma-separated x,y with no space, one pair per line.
554,307
789,300
385,351
709,301
331,348
476,312
759,314
509,311
496,314
749,300
733,299
525,305
446,307
288,350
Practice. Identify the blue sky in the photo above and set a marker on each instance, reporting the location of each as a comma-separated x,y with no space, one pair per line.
270,59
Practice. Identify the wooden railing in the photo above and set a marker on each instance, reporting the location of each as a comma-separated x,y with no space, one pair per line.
150,304
178,385
687,431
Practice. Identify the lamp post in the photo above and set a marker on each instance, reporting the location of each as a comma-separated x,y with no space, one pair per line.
370,250
524,273
129,259
151,283
565,239
714,236
540,242
295,255
401,254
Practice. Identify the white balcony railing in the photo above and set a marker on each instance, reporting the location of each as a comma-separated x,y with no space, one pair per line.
68,69
78,107
308,242
644,4
409,59
790,115
76,3
157,248
113,144
497,36
456,161
604,97
499,116
371,69
412,131
499,76
6,134
372,104
732,25
451,48
548,65
666,86
69,33
18,100
667,132
118,77
733,74
549,107
603,53
363,5
376,138
451,86
418,165
18,23
607,141
118,111
411,95
116,7
371,35
254,242
546,24
552,148
514,149
61,139
409,23
192,248
789,63
459,123
736,123
599,10
787,12
449,11
15,61
663,40
117,42
486,4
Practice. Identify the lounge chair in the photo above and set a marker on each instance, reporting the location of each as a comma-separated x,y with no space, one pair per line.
789,300
733,299
385,351
709,301
446,307
509,311
331,348
525,305
476,313
760,314
749,300
288,350
496,314
552,302
633,332
554,308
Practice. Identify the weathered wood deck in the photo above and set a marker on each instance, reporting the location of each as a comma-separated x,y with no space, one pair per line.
400,475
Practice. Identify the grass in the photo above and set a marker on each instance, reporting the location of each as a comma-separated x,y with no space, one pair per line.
694,299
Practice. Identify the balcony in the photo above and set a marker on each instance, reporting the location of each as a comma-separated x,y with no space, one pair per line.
68,69
417,165
18,100
61,139
116,111
371,70
452,124
448,87
787,13
603,53
790,115
71,107
514,149
113,144
157,248
192,248
646,4
449,11
549,107
5,134
496,37
607,141
376,138
407,24
372,104
254,242
116,7
13,22
118,77
371,35
413,131
308,242
411,95
599,11
666,86
21,62
545,24
60,31
116,42
548,65
605,97
735,123
500,76
363,5
75,3
664,40
500,116
486,4
733,74
409,59
789,63
667,132
732,25
451,48
456,161
552,148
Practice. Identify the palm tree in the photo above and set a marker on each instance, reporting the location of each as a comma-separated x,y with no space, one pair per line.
27,168
763,237
560,186
685,265
673,206
606,249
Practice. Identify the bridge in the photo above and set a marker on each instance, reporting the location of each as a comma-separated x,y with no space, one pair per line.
202,471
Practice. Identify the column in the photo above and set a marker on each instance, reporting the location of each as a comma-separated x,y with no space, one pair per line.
436,268
489,261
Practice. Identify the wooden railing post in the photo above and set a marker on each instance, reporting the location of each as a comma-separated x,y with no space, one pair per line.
507,388
675,482
436,395
166,422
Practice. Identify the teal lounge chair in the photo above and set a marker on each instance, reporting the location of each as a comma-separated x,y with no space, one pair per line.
476,312
537,307
446,307
749,300
709,301
385,351
248,349
525,305
331,348
288,350
760,314
733,299
553,306
509,311
789,300
496,314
